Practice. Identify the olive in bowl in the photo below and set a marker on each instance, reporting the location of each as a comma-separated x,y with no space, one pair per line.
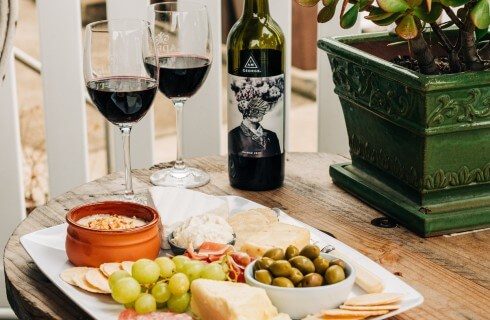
300,295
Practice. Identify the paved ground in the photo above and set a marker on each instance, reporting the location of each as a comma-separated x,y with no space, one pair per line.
303,115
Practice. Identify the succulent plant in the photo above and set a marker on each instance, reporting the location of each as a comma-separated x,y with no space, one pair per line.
412,17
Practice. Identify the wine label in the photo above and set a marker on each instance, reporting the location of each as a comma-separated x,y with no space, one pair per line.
256,104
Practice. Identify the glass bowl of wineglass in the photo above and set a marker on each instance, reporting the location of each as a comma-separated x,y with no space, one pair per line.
184,49
119,81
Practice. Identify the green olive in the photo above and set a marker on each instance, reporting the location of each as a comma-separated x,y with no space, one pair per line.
303,264
275,254
338,262
334,274
263,263
280,268
263,276
312,280
291,252
282,282
321,264
296,276
310,251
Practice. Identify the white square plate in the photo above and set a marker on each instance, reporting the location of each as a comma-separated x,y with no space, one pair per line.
47,248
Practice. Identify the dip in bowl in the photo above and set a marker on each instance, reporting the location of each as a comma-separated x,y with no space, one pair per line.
111,231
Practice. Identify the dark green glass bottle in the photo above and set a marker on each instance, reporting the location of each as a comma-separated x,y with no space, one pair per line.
256,100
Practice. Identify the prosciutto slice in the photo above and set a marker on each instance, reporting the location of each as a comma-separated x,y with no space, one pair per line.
131,314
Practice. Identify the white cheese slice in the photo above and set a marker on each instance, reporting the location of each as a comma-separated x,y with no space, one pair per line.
277,235
224,300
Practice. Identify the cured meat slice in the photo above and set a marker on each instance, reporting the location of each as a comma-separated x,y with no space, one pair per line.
130,314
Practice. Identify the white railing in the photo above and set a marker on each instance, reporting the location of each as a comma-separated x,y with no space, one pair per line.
65,115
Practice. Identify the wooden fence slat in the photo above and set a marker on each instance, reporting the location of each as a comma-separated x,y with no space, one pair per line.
64,105
143,133
332,134
203,112
12,204
281,12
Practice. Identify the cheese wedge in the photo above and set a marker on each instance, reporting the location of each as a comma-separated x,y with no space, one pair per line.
277,235
223,300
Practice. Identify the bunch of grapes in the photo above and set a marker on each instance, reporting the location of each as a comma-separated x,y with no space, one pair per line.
164,282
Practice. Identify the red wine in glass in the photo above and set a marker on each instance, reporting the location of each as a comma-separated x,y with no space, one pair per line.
180,76
122,99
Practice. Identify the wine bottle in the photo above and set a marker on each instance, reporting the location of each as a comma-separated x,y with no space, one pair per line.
256,100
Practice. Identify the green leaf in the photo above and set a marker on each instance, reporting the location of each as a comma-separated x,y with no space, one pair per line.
454,3
327,13
390,20
414,3
380,16
480,14
407,29
364,3
423,14
481,33
348,20
393,5
307,3
326,3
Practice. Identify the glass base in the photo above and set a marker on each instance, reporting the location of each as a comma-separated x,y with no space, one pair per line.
183,178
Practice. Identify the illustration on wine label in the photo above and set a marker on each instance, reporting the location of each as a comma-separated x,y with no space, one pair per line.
256,116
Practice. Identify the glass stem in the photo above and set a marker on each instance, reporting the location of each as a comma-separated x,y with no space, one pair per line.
126,134
179,106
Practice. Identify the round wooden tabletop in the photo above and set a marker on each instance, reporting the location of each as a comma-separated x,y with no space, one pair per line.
450,272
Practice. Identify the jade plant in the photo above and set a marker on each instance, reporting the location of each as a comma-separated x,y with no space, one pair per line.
468,51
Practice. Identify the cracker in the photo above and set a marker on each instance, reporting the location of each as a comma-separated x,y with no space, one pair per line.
350,314
68,274
97,279
109,268
369,308
374,299
127,266
82,283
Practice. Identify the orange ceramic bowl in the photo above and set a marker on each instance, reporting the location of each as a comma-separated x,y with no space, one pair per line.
91,248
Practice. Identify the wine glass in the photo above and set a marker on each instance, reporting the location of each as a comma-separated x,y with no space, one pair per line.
118,80
184,49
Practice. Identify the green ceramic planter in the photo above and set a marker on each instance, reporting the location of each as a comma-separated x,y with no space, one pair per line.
420,145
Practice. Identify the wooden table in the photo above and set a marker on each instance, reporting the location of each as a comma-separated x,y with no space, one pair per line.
452,273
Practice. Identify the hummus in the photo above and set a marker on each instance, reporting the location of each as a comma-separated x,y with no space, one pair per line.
111,222
203,228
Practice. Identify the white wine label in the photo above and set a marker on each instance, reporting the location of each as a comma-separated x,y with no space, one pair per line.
255,114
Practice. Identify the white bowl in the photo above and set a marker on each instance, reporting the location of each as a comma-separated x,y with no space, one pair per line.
300,302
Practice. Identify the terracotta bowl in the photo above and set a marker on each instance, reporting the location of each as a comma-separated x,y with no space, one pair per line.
89,247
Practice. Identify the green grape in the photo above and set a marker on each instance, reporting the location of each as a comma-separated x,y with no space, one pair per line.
179,304
193,270
180,262
145,271
167,267
213,271
126,290
160,292
116,276
178,284
145,304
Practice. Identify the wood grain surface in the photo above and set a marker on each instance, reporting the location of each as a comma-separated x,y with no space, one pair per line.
451,272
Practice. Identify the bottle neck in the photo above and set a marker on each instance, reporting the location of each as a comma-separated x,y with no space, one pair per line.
256,8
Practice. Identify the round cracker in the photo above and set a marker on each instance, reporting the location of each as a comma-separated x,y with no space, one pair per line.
97,279
127,266
374,299
82,283
67,275
370,308
343,314
109,268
